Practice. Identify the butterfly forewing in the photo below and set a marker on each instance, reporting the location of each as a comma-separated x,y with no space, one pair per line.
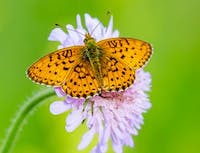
132,52
53,68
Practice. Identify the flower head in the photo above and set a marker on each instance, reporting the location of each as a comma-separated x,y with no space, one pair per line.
112,115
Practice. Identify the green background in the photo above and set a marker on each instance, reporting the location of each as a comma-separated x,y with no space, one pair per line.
172,26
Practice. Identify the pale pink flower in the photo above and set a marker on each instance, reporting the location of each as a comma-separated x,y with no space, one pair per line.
113,115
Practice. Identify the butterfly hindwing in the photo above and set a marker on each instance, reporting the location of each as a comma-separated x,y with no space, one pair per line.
117,76
81,82
53,68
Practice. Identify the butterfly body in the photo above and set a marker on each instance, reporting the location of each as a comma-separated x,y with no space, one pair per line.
82,71
93,54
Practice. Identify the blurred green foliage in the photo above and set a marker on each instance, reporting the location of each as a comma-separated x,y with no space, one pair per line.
173,27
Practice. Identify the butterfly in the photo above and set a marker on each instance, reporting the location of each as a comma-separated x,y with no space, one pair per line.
84,71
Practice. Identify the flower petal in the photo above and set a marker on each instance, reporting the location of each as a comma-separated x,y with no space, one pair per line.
109,28
80,27
106,134
117,148
59,107
74,120
75,35
90,22
115,33
57,35
59,92
128,141
86,139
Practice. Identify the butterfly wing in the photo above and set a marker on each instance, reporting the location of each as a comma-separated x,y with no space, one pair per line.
120,58
81,82
66,68
53,68
134,53
117,76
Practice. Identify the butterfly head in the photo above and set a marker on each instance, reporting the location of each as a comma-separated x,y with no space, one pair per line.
89,40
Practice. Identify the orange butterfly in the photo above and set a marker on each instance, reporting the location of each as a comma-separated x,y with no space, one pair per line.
83,71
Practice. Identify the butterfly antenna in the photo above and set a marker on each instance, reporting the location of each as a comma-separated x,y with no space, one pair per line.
95,27
76,31
58,25
108,13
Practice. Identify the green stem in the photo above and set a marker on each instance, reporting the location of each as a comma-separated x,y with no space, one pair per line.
15,127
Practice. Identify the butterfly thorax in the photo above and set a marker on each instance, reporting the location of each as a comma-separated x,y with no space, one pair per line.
93,54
